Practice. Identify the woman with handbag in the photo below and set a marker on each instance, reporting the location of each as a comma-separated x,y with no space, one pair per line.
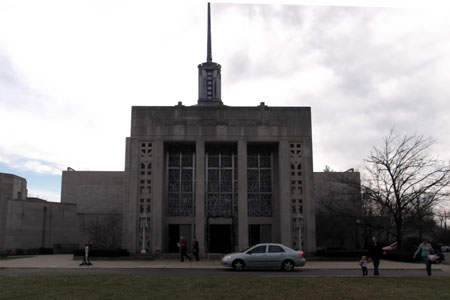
425,250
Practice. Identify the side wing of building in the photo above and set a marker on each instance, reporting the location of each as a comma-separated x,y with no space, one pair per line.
98,196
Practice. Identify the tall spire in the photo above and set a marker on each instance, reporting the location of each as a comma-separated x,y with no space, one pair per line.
209,54
209,78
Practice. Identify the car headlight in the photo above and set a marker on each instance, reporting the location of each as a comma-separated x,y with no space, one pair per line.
228,257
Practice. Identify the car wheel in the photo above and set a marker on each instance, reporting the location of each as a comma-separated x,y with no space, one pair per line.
288,265
238,265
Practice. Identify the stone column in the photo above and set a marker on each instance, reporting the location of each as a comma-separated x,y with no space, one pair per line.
130,219
157,196
308,192
285,194
200,195
242,196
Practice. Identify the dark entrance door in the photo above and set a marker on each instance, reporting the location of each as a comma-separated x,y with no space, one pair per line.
174,237
175,232
259,234
220,238
254,235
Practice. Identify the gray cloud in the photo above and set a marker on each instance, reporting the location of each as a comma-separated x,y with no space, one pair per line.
14,93
362,71
379,84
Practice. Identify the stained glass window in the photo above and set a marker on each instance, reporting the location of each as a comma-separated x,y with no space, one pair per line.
221,166
180,180
259,184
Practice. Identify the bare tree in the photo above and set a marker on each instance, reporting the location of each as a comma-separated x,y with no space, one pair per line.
104,231
404,181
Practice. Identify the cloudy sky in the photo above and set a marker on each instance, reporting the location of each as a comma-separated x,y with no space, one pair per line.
71,70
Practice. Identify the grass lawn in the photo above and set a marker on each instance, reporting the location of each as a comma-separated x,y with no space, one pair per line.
202,287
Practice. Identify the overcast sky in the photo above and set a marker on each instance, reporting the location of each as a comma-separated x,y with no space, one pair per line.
71,70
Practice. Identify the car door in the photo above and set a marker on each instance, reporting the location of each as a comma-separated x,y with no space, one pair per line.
256,257
275,256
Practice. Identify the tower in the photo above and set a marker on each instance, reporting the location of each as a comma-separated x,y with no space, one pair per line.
209,78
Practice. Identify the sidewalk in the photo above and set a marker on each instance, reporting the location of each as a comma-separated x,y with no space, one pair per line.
65,261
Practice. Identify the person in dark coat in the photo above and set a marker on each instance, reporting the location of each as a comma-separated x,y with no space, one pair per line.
183,249
375,252
195,249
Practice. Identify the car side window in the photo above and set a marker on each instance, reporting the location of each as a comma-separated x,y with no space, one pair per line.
275,249
259,249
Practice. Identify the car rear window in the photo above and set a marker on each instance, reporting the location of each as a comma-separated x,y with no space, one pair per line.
275,249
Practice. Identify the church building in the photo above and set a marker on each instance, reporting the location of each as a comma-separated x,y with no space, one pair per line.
229,176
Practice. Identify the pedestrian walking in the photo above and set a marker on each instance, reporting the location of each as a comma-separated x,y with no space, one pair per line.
363,264
86,261
195,249
183,249
375,252
425,249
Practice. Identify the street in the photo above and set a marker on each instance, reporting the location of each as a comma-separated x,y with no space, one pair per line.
299,272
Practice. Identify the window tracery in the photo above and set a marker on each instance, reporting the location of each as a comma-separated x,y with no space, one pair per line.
259,184
180,181
221,199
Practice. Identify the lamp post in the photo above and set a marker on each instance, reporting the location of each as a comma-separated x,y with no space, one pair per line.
144,226
299,228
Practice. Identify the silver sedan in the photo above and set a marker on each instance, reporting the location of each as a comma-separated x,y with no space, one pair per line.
265,256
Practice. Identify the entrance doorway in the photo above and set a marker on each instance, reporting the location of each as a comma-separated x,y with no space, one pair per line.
175,232
220,238
260,234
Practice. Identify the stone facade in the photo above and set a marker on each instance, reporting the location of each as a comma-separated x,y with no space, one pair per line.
93,192
99,198
32,223
36,223
241,173
11,187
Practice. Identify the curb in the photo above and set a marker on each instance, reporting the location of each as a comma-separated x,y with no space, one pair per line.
196,268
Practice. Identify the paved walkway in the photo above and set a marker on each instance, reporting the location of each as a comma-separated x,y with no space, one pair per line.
65,261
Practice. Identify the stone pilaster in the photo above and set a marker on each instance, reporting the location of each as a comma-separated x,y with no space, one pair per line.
309,207
200,195
242,195
130,220
285,194
158,196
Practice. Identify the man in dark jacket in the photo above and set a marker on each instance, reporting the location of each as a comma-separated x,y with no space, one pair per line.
375,252
195,249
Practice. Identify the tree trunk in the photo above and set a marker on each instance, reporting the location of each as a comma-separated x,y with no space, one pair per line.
398,225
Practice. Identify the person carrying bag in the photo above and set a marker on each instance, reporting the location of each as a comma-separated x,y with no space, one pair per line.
426,251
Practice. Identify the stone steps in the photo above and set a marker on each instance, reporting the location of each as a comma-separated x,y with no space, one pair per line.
176,256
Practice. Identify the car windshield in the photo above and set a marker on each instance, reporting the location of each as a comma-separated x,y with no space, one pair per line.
246,249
